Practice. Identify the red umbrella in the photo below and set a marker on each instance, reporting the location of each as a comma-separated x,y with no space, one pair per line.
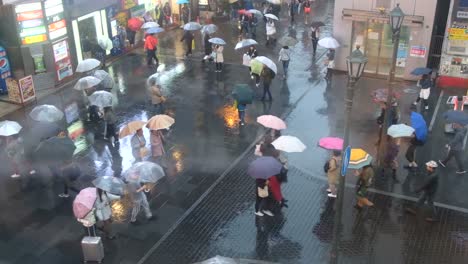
134,24
244,12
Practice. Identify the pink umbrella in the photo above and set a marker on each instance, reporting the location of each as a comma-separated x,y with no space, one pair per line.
271,121
84,202
332,143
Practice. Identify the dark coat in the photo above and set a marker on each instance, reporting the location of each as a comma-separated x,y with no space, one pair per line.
430,185
187,37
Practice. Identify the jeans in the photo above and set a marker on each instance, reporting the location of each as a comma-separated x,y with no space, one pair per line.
458,158
241,115
219,66
150,55
430,201
266,90
285,66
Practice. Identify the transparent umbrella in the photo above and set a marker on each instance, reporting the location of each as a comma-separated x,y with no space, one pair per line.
46,113
245,43
110,184
217,41
86,83
101,99
9,128
106,80
145,172
150,24
192,26
210,28
87,65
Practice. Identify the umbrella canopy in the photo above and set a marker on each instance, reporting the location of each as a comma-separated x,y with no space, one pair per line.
243,94
9,128
264,168
271,121
359,158
220,260
381,95
192,26
154,30
245,43
331,143
145,172
46,113
288,41
232,1
272,16
255,12
421,71
43,131
459,117
181,2
400,130
150,24
289,144
267,62
86,83
217,41
106,80
84,202
110,184
329,43
87,65
55,149
317,24
105,43
130,128
275,2
134,24
101,99
160,122
256,67
419,125
210,28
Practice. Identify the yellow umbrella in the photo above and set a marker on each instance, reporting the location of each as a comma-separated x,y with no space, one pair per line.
131,128
160,122
359,158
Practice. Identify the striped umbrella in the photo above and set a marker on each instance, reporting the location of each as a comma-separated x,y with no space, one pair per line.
359,158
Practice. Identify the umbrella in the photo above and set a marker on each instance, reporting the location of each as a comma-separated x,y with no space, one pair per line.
84,202
145,171
232,1
154,30
329,43
86,83
217,41
243,94
255,12
87,65
331,143
131,128
105,43
317,24
275,2
210,28
272,16
359,158
8,128
134,24
381,95
256,67
43,131
106,80
271,121
101,99
150,24
55,149
288,41
46,113
421,71
244,12
110,184
456,117
264,168
181,2
289,144
219,260
245,43
191,26
400,130
419,125
160,122
267,62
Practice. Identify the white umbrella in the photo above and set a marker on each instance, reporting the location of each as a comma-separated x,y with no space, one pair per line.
87,65
217,41
101,99
106,80
8,128
289,144
144,171
191,26
267,62
272,16
245,43
255,12
329,43
400,130
210,28
86,83
46,113
105,43
149,25
275,2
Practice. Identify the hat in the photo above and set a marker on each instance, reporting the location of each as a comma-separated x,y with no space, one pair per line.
431,164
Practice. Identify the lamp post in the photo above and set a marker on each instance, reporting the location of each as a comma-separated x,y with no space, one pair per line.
355,63
396,20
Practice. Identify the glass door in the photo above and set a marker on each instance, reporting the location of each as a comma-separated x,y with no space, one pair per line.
373,47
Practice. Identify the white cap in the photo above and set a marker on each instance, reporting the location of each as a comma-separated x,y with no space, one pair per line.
431,164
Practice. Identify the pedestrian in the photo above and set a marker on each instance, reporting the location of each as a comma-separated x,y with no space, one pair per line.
131,37
267,75
185,14
455,148
15,151
99,54
253,22
275,194
157,98
306,11
252,53
158,13
425,84
69,174
86,47
333,173
390,159
103,212
219,58
270,31
147,17
330,63
417,139
157,144
167,12
284,57
299,6
188,38
111,128
366,177
261,201
241,111
428,189
208,47
139,200
151,44
314,35
244,21
292,4
138,143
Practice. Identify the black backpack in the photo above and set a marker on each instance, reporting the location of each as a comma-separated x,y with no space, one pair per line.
326,166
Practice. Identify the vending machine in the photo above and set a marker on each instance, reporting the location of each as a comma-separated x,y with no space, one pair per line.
5,71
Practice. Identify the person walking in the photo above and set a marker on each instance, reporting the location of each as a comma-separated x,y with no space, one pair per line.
157,144
219,58
69,173
151,43
158,13
333,173
292,4
275,194
244,21
253,22
261,201
267,75
157,98
455,149
418,139
270,31
185,14
284,57
241,111
306,11
252,53
188,38
111,128
138,142
365,180
330,63
208,47
390,159
314,35
428,189
103,212
425,84
139,201
167,12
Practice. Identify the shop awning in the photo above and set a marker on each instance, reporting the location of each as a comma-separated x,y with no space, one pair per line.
382,17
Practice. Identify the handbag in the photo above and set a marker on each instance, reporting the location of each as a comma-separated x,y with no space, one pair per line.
307,10
262,192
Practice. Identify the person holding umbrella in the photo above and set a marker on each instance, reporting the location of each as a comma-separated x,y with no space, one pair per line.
167,12
314,35
455,148
284,57
418,138
270,31
390,159
252,53
157,99
188,38
15,150
103,212
267,75
208,47
150,47
219,58
366,175
140,200
111,129
330,63
333,173
425,84
138,142
157,144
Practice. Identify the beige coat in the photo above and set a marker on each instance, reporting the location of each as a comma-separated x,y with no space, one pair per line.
333,173
219,54
156,95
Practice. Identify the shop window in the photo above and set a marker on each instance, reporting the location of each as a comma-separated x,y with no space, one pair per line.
382,4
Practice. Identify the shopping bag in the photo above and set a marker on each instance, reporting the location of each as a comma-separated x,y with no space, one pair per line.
246,60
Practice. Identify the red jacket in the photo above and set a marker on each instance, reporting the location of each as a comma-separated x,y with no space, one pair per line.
275,188
151,42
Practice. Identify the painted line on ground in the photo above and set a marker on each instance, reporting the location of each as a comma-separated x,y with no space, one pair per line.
436,110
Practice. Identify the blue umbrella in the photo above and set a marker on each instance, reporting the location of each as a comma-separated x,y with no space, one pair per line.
154,30
421,71
419,125
180,2
264,168
456,117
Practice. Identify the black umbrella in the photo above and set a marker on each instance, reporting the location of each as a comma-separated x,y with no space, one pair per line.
55,149
316,24
456,117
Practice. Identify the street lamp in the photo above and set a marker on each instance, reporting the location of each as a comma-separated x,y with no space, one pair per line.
355,63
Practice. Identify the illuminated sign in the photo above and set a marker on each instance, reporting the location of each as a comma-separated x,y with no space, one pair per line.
58,33
34,39
50,3
57,25
31,23
28,7
54,10
55,18
32,31
30,15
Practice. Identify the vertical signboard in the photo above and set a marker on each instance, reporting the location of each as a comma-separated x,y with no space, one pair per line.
30,21
62,60
55,19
